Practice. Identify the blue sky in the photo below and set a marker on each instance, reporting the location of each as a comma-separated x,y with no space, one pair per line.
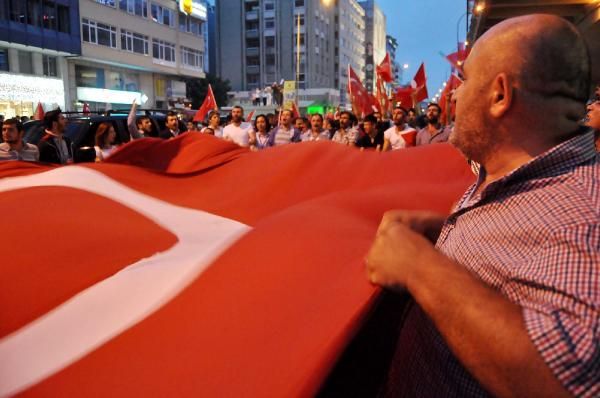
423,28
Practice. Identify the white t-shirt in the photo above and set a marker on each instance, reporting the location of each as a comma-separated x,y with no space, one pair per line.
395,139
240,135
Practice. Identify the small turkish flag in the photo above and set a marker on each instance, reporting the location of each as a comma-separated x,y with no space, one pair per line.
208,105
419,85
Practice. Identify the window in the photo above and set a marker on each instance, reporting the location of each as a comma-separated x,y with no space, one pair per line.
64,25
190,25
18,11
3,59
134,42
99,33
49,15
163,50
25,62
191,57
34,12
135,7
163,15
299,3
269,6
89,77
269,23
50,68
110,3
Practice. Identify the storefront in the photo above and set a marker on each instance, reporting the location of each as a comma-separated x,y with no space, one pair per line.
20,94
103,88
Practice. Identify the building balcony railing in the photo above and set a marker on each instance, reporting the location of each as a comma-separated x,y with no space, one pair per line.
252,34
252,51
252,16
253,69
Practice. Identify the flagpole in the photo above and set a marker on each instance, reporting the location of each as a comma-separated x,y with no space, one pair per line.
350,90
297,58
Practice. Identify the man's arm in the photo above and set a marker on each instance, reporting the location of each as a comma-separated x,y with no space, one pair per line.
132,122
386,145
483,329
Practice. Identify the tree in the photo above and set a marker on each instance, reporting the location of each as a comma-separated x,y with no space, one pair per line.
197,89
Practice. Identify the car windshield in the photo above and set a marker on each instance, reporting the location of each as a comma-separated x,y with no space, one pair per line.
74,128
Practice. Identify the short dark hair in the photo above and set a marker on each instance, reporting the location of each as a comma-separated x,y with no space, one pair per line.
413,110
439,108
237,107
350,115
318,115
141,119
16,122
403,109
370,118
172,114
51,117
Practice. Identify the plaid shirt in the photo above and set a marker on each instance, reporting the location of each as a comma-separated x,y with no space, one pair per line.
534,236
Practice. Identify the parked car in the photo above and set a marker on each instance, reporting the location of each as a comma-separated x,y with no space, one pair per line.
81,129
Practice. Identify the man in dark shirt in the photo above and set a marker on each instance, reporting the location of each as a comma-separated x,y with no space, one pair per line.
54,146
373,137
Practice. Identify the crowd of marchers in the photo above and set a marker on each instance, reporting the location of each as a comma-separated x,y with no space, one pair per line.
403,128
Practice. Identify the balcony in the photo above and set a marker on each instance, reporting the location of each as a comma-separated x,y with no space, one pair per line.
252,51
253,69
252,34
252,16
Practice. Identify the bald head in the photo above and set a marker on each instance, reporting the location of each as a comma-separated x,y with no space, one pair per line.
544,53
527,80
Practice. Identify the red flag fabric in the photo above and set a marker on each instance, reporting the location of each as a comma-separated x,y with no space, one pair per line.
458,58
86,108
208,105
385,69
359,96
39,112
419,85
446,98
295,112
250,116
184,286
382,97
404,96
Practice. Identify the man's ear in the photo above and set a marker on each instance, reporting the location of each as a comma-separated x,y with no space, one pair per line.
502,95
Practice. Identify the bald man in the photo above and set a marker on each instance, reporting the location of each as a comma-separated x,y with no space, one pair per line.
507,303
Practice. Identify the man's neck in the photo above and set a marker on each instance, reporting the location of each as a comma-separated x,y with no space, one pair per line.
400,127
237,123
16,146
316,132
55,133
433,128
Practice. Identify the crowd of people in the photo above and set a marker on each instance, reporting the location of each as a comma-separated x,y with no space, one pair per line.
404,128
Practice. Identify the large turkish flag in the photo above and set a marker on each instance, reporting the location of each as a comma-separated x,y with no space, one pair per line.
195,267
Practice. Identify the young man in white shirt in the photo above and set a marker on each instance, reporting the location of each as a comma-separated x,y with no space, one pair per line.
238,131
400,135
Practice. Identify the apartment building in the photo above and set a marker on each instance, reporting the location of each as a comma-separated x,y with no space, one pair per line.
137,49
350,33
36,37
258,46
375,40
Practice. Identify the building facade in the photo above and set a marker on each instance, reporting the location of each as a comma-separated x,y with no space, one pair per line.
137,49
391,47
258,44
350,43
36,38
375,40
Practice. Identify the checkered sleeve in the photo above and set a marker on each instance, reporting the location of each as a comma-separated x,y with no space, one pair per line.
560,295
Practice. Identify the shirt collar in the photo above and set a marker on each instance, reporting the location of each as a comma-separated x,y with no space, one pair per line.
557,160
